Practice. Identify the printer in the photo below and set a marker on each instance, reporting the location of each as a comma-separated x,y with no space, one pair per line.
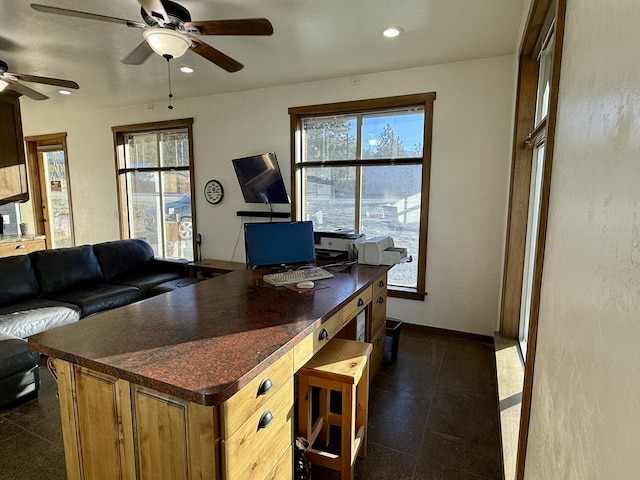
380,251
338,244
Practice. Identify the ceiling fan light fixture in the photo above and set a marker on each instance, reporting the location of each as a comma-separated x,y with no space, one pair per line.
3,85
167,43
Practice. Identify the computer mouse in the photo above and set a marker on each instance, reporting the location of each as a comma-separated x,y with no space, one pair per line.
305,284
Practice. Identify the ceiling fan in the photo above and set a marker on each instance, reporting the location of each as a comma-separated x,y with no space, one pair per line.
170,32
10,80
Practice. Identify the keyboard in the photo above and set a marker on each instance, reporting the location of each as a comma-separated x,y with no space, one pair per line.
296,276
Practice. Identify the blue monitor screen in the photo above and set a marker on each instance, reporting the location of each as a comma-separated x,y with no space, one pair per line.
279,243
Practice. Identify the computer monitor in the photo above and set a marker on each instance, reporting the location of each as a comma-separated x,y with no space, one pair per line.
279,244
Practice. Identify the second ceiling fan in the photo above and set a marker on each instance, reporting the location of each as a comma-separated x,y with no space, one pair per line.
170,32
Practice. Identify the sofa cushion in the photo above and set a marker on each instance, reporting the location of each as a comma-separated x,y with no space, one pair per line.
64,269
34,316
101,297
120,257
18,281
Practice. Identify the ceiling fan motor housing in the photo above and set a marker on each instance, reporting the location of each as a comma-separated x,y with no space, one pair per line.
178,16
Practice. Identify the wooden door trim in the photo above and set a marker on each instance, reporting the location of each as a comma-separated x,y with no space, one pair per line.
38,192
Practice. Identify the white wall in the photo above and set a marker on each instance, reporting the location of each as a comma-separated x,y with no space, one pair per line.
585,414
469,179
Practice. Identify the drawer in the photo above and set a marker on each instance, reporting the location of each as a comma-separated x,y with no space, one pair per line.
308,347
354,306
255,394
379,285
254,450
379,310
284,468
377,339
10,249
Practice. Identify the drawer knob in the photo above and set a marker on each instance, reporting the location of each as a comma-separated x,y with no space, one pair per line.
360,302
323,335
18,247
381,284
265,386
265,420
380,300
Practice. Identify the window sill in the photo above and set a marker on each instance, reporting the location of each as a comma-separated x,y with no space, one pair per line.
405,292
510,376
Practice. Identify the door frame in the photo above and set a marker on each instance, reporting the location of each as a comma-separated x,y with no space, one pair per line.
39,202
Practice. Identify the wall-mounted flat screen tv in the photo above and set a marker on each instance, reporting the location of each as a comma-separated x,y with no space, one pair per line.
260,179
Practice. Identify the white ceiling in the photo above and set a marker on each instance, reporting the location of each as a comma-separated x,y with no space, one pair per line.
312,40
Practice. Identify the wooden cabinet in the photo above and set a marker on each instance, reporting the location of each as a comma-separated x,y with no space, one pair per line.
10,249
138,434
116,429
13,172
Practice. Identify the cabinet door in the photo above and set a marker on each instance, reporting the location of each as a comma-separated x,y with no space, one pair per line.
93,407
13,172
175,439
377,354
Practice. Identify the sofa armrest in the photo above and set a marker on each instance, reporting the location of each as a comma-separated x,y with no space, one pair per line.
170,266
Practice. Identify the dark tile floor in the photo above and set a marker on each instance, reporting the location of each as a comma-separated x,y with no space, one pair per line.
433,416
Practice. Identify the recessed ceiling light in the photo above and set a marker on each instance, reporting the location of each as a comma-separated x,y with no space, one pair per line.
391,32
64,92
187,70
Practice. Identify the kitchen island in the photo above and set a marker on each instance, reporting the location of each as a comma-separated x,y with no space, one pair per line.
199,382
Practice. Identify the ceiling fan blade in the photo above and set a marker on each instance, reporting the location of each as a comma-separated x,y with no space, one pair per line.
247,26
46,80
91,16
18,87
138,55
155,6
215,56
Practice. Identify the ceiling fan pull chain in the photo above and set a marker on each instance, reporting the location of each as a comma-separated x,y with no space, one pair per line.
168,57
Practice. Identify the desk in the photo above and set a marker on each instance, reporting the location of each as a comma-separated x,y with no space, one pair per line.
210,266
175,386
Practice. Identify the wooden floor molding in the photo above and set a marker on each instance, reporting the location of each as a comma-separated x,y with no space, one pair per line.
424,329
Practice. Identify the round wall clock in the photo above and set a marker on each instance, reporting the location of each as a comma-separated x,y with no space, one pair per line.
213,192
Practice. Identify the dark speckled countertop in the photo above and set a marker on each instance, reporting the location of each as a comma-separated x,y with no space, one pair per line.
204,342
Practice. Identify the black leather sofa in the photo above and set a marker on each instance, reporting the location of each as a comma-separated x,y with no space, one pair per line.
50,288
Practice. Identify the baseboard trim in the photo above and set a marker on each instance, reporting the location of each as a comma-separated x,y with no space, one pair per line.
427,330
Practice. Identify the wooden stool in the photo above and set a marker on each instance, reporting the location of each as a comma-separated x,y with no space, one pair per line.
343,366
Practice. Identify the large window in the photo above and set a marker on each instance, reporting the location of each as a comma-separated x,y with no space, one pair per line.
364,166
155,171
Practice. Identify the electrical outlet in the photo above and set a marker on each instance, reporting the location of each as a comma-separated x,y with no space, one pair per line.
6,219
355,81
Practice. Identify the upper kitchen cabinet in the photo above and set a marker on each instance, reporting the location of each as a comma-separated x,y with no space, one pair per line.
13,170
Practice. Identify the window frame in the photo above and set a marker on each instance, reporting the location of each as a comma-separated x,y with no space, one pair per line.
119,133
543,15
422,100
